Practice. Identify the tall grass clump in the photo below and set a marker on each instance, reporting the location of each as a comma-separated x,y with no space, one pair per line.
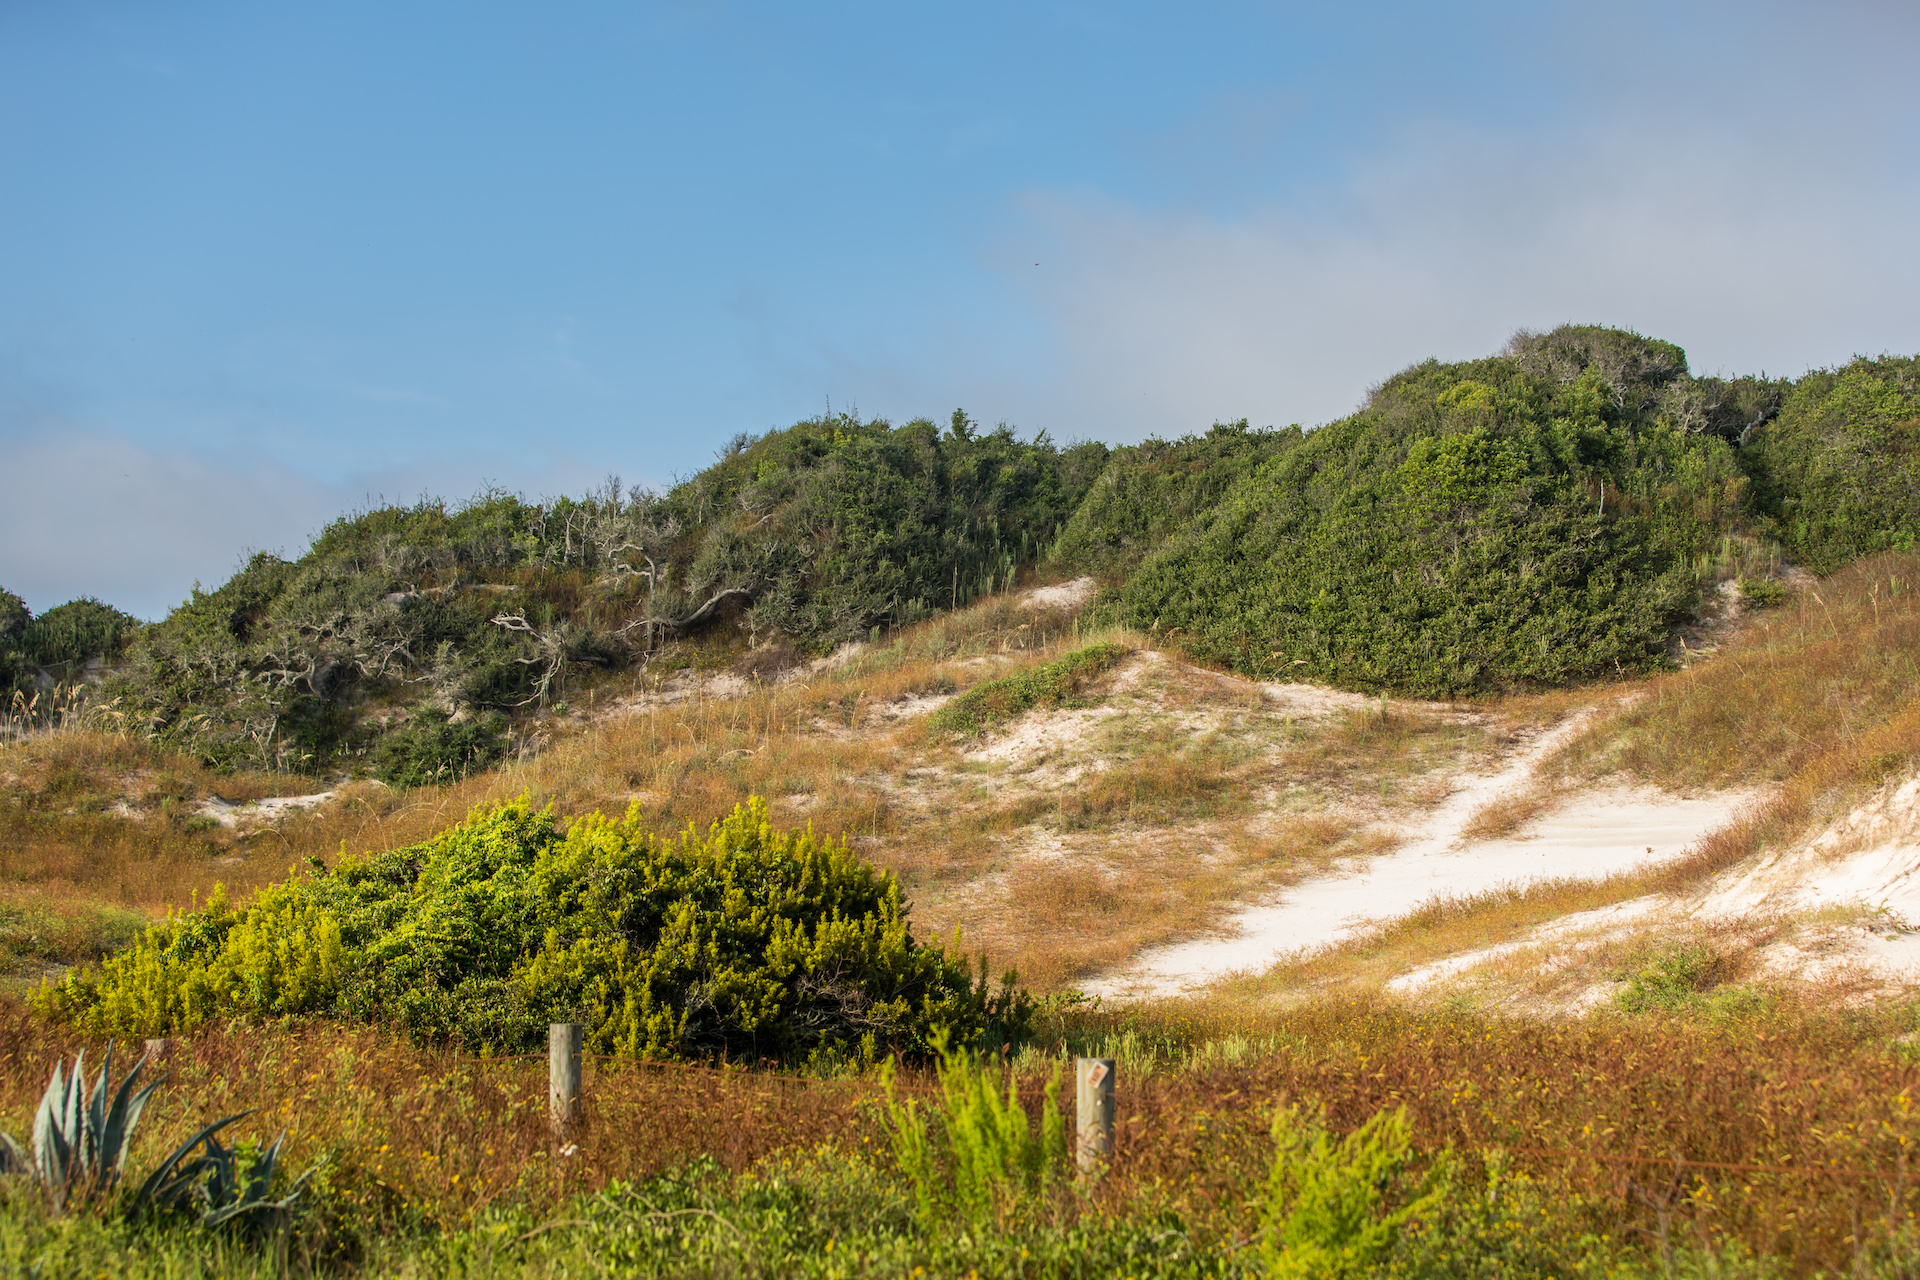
742,942
973,1153
1336,1206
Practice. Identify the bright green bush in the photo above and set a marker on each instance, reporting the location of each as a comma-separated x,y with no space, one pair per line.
1337,1208
744,943
1673,981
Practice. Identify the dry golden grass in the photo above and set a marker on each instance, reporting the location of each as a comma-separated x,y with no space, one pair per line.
1505,814
1185,785
1840,658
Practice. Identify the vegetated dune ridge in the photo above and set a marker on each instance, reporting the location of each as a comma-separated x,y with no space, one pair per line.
1181,829
1136,789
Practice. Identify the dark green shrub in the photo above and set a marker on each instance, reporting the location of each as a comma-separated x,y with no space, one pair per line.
14,617
433,750
1476,526
1150,491
743,943
1837,473
68,635
1762,593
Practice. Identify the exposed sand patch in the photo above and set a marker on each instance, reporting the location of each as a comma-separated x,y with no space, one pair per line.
1870,858
683,686
1064,595
907,706
1040,734
1318,700
269,810
1867,862
1601,832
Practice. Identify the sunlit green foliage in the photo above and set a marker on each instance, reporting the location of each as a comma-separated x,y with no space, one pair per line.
972,1152
1336,1207
743,942
1474,526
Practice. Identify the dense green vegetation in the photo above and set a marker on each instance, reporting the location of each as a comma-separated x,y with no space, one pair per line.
1152,490
1474,526
399,618
1546,514
38,653
1837,473
744,943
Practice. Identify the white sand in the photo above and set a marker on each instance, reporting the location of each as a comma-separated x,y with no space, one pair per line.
268,810
1065,595
1604,831
1870,858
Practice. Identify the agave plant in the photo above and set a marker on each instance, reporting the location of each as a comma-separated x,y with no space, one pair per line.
236,1191
80,1141
80,1146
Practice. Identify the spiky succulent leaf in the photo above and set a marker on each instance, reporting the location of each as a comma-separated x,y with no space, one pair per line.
170,1181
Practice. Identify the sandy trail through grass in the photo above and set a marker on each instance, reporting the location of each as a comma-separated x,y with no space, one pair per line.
1604,831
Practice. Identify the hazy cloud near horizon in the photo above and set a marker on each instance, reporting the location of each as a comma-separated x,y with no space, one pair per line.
1444,248
109,518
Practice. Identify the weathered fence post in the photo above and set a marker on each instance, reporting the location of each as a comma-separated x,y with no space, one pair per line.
1093,1107
563,1076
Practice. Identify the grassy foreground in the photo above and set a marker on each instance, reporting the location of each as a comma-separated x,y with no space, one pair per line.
1769,1145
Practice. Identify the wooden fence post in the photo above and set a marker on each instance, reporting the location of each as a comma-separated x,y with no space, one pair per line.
563,1076
1093,1108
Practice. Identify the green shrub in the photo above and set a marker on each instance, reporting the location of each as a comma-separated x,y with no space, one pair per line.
1762,593
1337,1208
1673,981
1837,473
743,942
1474,527
14,618
985,1156
433,750
1152,490
1058,683
68,635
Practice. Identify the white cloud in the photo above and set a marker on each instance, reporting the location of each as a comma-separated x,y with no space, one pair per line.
1733,179
1446,244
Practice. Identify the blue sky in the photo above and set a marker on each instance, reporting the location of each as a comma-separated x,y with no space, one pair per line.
260,262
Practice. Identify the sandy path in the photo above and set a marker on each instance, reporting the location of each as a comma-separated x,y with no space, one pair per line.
1604,831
